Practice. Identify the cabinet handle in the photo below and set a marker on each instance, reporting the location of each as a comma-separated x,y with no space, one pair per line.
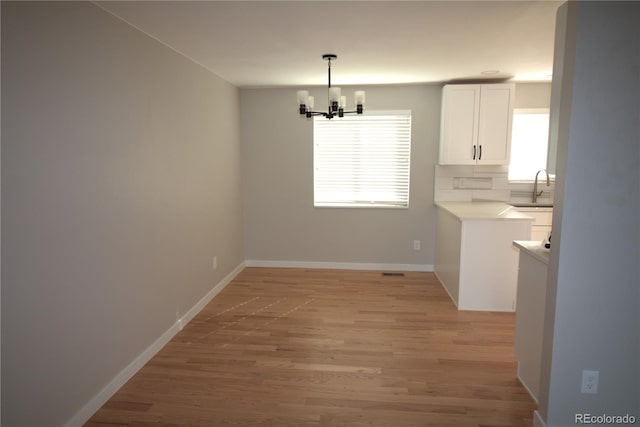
474,151
480,155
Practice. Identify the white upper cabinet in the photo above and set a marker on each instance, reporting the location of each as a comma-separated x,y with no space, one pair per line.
476,124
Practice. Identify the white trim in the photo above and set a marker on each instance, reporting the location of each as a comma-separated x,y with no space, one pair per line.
526,387
87,411
537,419
445,289
339,265
189,315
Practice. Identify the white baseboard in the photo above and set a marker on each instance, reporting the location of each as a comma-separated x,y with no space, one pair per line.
446,290
339,265
83,415
537,420
189,315
87,411
526,387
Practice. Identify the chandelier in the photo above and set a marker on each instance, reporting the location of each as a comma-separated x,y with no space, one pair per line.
337,103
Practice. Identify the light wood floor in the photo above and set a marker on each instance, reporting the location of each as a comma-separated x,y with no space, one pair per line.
295,347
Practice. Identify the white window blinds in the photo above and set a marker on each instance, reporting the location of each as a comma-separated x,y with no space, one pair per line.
362,161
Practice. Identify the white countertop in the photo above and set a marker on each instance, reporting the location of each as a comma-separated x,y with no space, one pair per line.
482,210
535,249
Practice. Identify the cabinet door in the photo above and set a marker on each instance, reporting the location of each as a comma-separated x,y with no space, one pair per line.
494,129
459,124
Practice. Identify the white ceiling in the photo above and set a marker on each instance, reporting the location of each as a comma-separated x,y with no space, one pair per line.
280,43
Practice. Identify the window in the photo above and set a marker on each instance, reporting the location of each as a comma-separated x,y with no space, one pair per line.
529,143
362,161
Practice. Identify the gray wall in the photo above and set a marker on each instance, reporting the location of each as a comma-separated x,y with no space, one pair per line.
120,182
533,95
593,298
277,160
280,221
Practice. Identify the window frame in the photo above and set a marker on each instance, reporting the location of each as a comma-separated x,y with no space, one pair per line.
363,204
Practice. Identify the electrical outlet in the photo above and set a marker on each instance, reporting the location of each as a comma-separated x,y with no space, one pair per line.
590,382
416,245
215,262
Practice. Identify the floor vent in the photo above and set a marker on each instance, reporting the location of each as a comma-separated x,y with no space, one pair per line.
393,274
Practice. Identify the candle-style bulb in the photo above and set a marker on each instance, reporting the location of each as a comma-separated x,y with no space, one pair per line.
302,96
360,101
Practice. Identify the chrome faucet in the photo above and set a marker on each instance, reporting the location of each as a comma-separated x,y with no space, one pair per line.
535,185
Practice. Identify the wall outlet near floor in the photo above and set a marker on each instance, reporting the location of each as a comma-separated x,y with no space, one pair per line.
590,382
215,262
416,245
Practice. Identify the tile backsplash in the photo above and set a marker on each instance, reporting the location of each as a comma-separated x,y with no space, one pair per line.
485,183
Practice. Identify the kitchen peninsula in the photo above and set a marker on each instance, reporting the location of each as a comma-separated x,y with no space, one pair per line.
475,258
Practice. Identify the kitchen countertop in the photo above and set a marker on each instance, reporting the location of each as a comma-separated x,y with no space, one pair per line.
483,210
534,248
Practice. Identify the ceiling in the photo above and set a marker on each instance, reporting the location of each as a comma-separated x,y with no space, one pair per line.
280,43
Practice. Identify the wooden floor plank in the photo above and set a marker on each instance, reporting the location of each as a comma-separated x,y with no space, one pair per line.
304,347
